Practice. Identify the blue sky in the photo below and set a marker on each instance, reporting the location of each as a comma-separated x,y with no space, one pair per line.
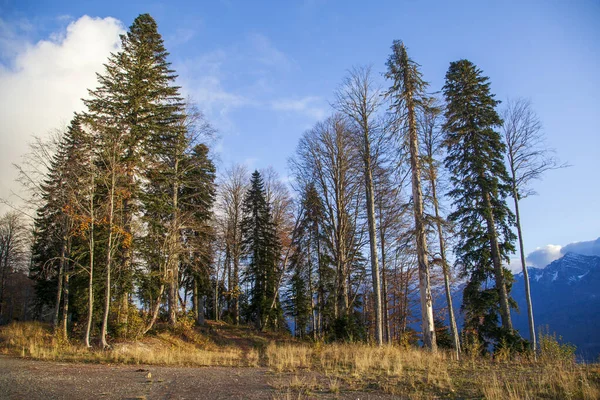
264,72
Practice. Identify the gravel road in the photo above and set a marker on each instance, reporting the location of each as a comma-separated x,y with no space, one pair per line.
32,380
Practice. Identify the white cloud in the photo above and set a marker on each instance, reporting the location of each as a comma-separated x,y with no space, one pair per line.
587,248
515,265
542,256
305,105
43,83
201,78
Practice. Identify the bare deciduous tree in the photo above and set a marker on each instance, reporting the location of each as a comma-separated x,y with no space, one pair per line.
327,157
231,190
14,245
528,158
407,94
359,100
431,142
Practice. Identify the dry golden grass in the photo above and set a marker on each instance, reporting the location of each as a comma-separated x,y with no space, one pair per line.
37,341
331,368
418,374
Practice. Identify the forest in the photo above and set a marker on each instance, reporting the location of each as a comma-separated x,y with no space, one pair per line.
400,197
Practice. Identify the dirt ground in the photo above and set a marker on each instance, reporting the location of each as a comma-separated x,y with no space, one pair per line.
28,379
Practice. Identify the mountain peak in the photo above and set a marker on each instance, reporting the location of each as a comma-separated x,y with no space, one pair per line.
569,268
566,298
574,260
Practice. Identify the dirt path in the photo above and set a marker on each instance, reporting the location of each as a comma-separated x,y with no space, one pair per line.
27,379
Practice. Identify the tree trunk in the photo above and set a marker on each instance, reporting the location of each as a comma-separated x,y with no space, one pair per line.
525,276
198,304
104,328
88,326
373,240
442,244
497,262
236,302
124,311
172,295
109,245
61,277
201,320
156,309
65,315
311,292
174,254
428,327
216,296
4,264
384,287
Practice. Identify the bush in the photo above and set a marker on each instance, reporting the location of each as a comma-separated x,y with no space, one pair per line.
510,344
552,350
409,338
443,337
347,329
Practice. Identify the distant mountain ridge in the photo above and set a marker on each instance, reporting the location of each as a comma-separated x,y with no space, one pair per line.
566,299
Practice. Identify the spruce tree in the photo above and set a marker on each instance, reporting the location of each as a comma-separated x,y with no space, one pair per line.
59,223
198,194
135,107
480,186
299,293
307,283
261,247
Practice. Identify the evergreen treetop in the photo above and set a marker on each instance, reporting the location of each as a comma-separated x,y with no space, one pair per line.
475,159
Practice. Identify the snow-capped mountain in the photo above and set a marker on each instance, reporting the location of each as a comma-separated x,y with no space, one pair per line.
569,269
566,299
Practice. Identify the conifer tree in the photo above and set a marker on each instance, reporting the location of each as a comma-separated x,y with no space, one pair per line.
197,199
261,248
58,221
480,186
300,293
306,265
135,106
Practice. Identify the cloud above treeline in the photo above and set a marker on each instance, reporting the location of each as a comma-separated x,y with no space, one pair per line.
541,257
43,82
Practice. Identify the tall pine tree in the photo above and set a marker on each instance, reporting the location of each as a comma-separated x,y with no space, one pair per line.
261,247
135,106
59,223
480,186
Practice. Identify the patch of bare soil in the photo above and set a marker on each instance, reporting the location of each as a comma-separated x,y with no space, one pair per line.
28,379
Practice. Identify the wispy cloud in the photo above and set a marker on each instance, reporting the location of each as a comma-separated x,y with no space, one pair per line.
311,106
244,74
268,55
201,78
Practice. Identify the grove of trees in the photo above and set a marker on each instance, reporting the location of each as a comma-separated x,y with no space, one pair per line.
397,199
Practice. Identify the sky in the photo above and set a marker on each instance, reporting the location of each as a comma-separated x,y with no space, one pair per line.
263,72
